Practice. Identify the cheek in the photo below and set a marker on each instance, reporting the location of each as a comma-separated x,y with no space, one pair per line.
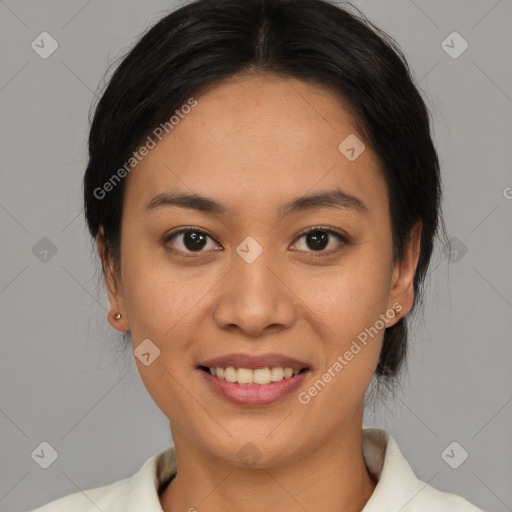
160,306
349,305
156,298
351,302
352,295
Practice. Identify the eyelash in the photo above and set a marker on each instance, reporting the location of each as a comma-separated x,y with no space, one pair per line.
315,254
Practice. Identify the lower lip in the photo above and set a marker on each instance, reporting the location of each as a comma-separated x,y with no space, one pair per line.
254,394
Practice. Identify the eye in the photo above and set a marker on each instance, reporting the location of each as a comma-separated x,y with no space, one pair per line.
189,240
318,238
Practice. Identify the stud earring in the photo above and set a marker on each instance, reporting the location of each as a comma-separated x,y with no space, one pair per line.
118,316
397,313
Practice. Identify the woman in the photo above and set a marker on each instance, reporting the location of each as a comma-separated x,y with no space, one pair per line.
265,195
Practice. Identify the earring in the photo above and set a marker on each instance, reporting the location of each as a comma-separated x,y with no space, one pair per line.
397,313
118,316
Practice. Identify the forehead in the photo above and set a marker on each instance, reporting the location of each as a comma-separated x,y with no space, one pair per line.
258,139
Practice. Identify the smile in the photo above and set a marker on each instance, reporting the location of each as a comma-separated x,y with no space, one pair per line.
253,387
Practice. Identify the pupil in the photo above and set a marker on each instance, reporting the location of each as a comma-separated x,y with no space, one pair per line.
196,239
320,239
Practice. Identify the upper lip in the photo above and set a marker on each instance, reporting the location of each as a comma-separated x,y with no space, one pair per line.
254,361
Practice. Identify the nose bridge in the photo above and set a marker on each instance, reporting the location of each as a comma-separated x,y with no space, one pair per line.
251,273
254,297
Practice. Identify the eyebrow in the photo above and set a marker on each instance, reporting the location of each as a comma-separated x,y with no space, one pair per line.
336,198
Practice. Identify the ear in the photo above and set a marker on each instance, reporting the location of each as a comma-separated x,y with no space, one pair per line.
114,287
402,286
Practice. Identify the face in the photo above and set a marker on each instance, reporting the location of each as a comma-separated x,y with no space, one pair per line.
246,278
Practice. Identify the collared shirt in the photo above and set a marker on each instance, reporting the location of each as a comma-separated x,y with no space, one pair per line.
397,487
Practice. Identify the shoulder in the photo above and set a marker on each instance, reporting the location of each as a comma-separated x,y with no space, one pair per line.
134,494
430,498
397,487
108,498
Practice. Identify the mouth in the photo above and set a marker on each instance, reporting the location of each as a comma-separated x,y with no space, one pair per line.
253,376
253,387
254,380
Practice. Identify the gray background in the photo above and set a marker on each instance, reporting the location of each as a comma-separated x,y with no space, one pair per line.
62,378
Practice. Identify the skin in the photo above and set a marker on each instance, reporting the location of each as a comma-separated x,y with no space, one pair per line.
253,144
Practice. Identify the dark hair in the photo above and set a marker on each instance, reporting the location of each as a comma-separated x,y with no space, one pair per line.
203,42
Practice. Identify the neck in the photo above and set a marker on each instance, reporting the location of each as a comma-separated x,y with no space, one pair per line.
332,476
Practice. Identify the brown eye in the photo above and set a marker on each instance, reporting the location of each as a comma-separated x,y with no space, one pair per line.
188,241
193,240
318,238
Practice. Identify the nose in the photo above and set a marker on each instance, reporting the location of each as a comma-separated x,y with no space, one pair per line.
256,298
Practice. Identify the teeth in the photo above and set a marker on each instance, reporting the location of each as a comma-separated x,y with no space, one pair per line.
288,372
248,376
261,376
230,374
244,376
277,374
